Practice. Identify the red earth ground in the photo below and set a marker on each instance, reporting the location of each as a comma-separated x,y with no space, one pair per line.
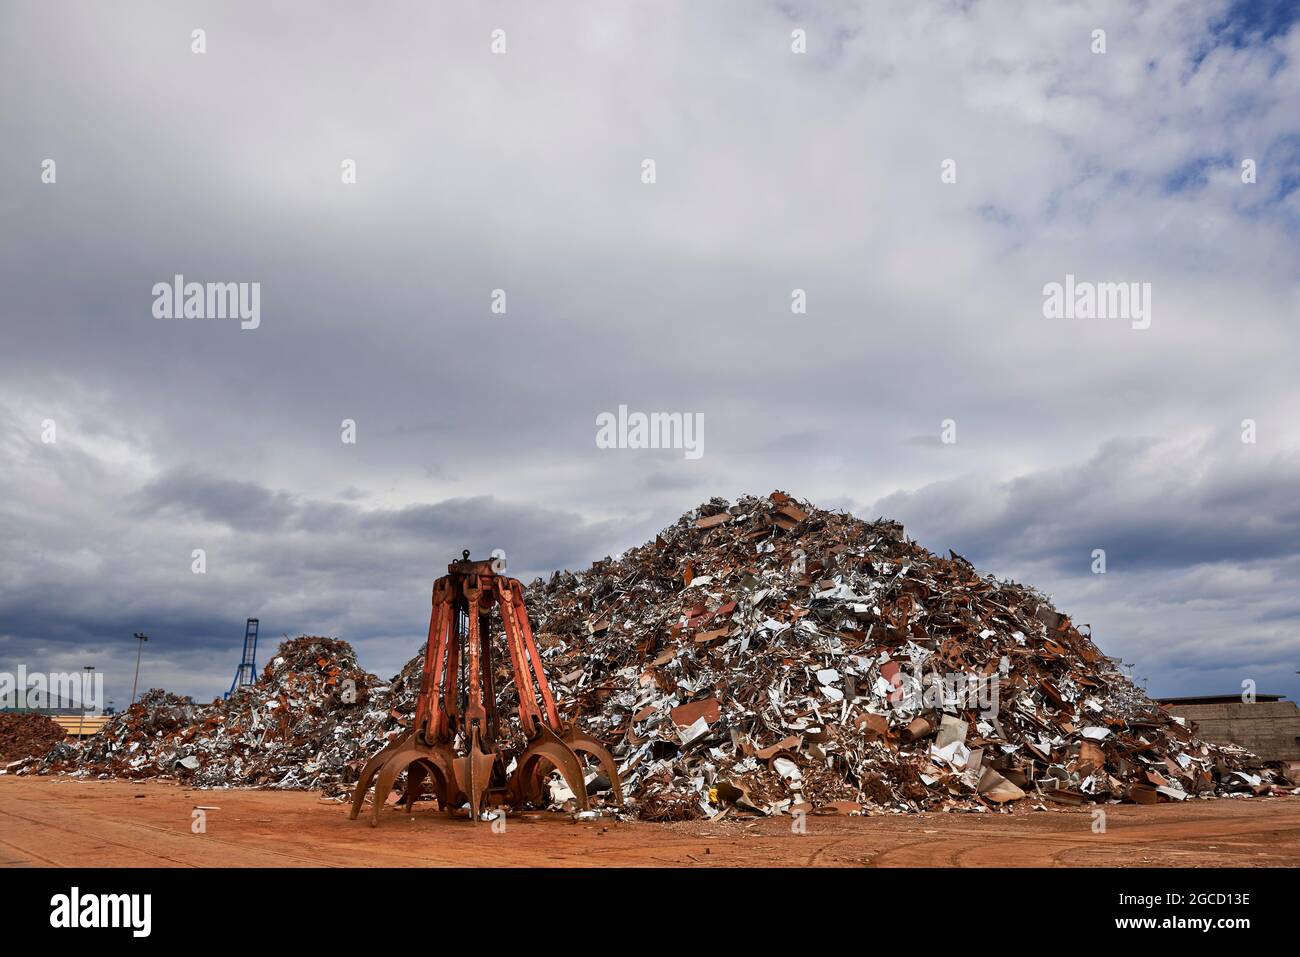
53,821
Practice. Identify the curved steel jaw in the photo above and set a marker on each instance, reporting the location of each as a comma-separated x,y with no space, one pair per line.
563,753
420,760
581,742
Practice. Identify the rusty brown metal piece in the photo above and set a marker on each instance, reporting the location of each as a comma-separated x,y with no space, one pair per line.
451,747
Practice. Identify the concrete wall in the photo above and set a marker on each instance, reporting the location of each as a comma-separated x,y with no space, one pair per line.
1269,728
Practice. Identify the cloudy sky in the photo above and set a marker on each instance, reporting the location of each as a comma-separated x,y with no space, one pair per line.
523,171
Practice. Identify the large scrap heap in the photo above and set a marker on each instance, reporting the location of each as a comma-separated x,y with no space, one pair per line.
771,656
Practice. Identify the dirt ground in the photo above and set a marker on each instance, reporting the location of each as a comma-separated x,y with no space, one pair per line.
52,822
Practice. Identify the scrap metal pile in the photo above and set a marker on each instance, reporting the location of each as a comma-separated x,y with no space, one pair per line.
293,728
761,657
769,656
23,734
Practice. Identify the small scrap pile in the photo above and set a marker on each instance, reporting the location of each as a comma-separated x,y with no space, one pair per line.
25,734
769,656
293,728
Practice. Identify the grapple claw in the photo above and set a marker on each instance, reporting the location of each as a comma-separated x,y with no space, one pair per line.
395,765
583,743
415,775
457,701
368,774
474,774
420,761
548,748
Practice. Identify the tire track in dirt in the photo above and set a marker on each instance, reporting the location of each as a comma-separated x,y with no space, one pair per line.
147,858
24,861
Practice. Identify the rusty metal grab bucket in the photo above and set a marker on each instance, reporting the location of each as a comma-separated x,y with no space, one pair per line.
452,744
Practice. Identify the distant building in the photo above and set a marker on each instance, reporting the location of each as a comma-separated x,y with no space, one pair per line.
1268,726
45,703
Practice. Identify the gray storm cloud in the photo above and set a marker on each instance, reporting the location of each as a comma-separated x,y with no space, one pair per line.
522,172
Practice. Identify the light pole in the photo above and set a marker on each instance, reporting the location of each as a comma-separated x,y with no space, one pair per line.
81,725
142,638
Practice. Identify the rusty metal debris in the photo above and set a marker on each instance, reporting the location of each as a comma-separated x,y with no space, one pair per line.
294,728
24,734
767,656
762,657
